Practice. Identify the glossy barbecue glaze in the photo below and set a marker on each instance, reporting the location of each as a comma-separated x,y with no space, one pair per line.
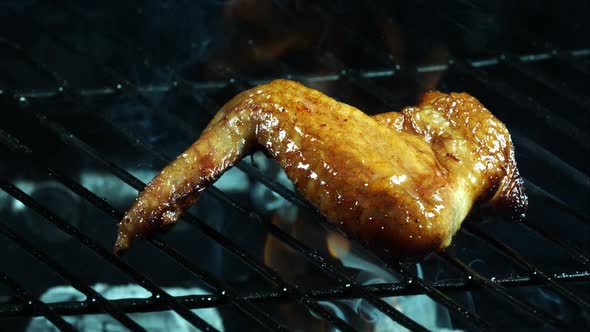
400,182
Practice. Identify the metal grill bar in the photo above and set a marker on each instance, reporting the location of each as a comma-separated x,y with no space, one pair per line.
288,289
35,305
218,84
531,310
106,255
573,62
544,114
547,156
560,90
319,261
556,201
91,294
338,293
535,271
40,67
575,253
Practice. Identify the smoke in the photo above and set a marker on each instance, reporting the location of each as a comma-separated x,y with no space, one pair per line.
362,314
153,321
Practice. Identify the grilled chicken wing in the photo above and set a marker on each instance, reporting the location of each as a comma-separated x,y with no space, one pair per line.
401,182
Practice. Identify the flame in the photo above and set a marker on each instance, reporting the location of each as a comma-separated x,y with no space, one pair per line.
338,245
275,253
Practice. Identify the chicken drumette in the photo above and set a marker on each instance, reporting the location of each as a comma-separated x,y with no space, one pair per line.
400,182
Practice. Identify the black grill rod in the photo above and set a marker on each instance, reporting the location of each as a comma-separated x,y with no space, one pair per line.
544,114
30,60
36,306
91,294
106,255
536,271
575,253
116,89
251,311
518,64
295,198
555,201
522,65
163,88
324,294
298,246
116,215
573,61
497,290
369,86
550,158
74,49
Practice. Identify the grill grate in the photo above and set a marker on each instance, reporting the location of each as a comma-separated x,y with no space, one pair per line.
343,286
38,306
72,279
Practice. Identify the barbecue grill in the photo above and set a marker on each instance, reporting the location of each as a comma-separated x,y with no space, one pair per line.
96,99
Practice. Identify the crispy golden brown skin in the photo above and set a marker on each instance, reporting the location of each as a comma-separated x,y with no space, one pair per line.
400,182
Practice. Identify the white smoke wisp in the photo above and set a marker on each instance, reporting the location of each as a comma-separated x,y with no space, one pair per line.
151,321
420,308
